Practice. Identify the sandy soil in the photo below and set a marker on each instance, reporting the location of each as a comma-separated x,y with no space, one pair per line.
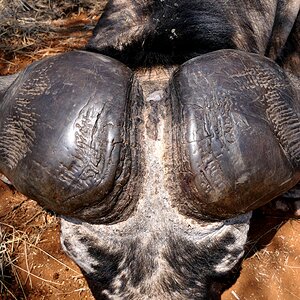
33,266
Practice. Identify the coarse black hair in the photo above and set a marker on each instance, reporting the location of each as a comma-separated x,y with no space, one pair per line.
174,31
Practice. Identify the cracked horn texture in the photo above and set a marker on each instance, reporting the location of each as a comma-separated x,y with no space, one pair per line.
63,132
237,133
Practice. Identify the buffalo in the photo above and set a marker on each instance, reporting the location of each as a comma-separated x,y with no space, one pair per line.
156,142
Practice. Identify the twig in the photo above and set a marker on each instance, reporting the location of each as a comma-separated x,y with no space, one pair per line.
33,217
27,266
234,294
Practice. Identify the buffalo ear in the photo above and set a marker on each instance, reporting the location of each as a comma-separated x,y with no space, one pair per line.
238,133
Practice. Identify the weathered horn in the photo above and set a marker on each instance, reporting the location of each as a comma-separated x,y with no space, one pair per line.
62,135
237,133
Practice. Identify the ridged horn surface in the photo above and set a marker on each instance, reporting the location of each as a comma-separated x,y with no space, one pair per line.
236,135
65,138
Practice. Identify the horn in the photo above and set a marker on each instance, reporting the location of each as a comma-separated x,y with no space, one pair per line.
65,137
237,133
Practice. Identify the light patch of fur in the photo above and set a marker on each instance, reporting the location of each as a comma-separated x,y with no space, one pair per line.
5,179
79,251
229,261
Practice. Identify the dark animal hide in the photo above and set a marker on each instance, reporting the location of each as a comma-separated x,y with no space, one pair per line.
162,32
150,32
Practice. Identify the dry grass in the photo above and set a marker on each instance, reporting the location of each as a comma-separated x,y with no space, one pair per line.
16,249
11,240
29,21
32,263
22,225
35,29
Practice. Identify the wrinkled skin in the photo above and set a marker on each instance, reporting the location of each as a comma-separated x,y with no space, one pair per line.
155,170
